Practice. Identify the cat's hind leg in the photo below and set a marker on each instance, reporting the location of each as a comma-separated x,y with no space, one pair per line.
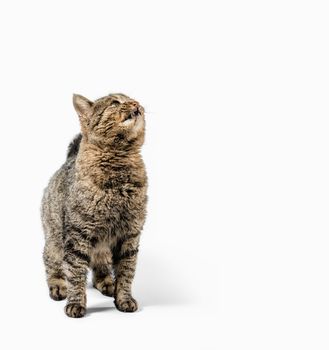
101,263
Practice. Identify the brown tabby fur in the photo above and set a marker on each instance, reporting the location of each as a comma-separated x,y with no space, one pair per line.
94,207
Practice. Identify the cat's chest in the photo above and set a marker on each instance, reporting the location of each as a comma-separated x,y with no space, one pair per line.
116,202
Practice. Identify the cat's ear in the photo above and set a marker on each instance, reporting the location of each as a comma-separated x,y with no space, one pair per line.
84,108
82,105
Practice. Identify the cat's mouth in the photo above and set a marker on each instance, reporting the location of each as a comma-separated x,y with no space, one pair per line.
135,113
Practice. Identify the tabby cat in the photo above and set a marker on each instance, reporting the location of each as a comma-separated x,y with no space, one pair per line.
94,207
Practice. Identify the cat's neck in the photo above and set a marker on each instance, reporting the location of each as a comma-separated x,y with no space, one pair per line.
101,165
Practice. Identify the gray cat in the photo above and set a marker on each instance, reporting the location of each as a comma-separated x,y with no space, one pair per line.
94,207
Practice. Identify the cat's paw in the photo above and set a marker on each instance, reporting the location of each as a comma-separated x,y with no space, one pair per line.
58,292
108,289
75,310
126,304
105,286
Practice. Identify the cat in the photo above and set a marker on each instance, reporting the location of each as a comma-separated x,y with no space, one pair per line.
94,207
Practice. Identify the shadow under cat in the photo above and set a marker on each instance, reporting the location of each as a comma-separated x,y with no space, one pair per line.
156,284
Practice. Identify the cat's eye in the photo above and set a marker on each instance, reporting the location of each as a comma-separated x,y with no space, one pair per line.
115,103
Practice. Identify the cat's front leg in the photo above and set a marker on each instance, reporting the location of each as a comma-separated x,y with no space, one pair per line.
76,262
125,267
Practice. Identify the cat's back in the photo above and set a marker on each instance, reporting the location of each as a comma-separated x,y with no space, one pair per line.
55,194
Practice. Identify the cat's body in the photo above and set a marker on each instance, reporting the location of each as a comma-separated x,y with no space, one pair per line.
94,207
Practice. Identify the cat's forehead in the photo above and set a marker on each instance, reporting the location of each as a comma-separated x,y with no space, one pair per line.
105,101
120,97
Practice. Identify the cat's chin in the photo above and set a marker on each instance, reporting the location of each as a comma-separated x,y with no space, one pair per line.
136,128
139,123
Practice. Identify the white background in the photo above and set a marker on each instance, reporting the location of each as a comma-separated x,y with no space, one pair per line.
234,254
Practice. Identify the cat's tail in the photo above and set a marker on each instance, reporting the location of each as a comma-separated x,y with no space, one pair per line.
73,148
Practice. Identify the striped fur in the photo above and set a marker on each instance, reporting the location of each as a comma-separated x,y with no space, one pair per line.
94,207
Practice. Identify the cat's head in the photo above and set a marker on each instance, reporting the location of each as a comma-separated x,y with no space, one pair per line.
115,120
